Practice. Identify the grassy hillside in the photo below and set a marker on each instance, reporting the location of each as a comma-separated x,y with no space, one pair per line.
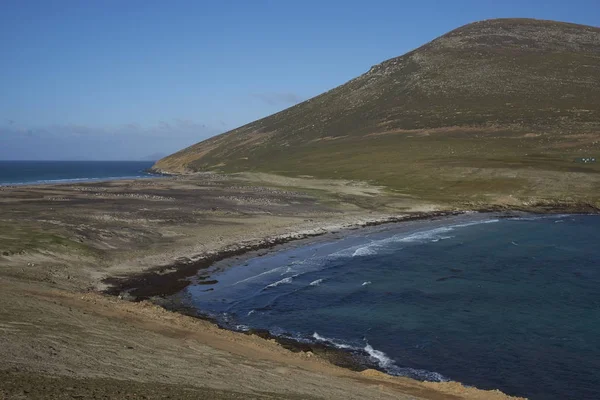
496,111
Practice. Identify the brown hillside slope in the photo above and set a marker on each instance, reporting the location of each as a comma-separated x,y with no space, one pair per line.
493,111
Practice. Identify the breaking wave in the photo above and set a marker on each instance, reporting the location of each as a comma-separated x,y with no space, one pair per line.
280,282
287,271
430,235
389,366
364,251
383,361
271,271
332,342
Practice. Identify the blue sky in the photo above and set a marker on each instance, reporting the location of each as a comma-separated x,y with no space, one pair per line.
125,79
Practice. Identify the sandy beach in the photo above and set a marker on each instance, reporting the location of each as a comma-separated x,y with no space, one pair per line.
68,253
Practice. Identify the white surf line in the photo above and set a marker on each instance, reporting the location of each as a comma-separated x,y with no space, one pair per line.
271,271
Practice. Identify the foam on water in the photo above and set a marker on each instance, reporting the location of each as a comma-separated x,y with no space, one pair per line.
383,361
280,282
528,218
364,251
437,239
389,365
271,271
421,236
430,235
333,342
401,325
486,221
380,357
287,271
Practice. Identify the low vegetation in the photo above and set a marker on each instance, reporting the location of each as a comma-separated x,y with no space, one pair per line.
495,112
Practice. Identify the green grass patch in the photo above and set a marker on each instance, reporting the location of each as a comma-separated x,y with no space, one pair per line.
440,167
18,238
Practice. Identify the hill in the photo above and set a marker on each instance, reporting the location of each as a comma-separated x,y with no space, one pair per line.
493,111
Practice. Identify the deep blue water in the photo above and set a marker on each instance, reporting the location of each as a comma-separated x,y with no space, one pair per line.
512,304
33,172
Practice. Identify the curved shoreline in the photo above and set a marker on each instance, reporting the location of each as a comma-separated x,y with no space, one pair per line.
166,280
64,240
161,283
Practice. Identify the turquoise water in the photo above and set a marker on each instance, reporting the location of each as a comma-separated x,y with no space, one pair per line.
506,303
34,172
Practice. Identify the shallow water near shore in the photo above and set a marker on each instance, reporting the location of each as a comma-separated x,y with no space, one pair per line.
497,303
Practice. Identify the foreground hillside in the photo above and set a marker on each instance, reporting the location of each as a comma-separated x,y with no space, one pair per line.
62,338
495,112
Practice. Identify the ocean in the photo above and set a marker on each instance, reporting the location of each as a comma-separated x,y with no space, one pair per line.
37,172
493,302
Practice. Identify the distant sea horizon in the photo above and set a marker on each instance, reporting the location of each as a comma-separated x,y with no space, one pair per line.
31,172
